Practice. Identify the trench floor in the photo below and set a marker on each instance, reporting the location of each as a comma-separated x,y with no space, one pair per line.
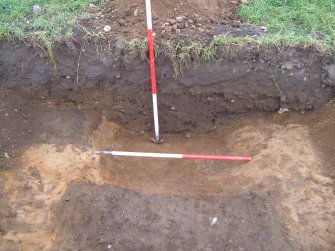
56,194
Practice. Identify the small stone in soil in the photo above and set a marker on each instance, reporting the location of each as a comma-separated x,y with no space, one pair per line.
171,21
107,28
282,110
236,23
168,28
181,25
263,28
92,7
179,19
122,22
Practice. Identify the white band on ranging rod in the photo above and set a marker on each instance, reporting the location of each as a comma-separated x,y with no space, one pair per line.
174,156
152,68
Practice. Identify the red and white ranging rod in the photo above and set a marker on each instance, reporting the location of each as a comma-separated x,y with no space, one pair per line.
152,68
174,156
155,111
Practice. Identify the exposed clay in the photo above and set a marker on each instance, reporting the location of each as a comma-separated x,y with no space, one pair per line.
109,78
61,196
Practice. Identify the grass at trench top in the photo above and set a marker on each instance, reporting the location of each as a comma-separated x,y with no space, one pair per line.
309,22
56,21
303,22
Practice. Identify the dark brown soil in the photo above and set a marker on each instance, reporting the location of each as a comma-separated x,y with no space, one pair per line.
56,194
118,219
120,16
117,82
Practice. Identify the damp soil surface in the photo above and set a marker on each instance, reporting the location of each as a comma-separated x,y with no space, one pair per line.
56,194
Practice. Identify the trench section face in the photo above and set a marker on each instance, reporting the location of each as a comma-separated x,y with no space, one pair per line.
56,118
110,78
64,196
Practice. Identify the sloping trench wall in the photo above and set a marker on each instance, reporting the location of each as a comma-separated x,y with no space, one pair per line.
107,77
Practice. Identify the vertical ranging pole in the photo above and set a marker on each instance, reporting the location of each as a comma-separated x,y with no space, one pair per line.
152,68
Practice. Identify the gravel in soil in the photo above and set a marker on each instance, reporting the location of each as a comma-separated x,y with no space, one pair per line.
195,19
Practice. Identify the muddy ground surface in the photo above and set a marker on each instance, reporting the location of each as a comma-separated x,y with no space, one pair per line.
57,195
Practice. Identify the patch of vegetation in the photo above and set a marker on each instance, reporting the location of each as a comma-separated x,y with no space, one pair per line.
295,22
183,53
54,23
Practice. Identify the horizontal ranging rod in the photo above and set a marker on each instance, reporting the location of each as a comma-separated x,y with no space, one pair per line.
174,156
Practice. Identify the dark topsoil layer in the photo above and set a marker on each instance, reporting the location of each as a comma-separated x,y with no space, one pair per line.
162,222
108,77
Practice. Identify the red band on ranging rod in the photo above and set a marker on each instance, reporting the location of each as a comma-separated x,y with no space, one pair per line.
213,157
152,62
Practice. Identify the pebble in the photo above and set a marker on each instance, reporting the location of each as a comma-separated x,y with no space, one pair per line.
264,28
154,15
179,19
171,21
282,110
168,28
174,27
136,13
236,23
107,28
37,9
7,156
92,8
213,220
122,22
178,31
181,25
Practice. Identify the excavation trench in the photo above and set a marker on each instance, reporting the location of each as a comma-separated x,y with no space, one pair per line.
58,195
202,96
